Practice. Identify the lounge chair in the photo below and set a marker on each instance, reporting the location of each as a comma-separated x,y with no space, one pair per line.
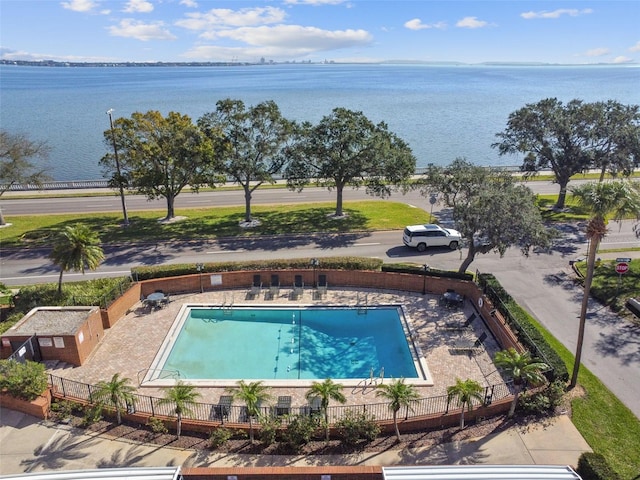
256,286
322,285
298,286
283,407
467,345
274,287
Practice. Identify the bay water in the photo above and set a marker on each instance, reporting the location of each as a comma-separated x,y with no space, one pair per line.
442,112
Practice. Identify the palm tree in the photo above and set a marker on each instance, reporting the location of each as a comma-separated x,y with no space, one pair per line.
183,397
253,395
522,369
326,391
617,199
466,391
399,395
77,246
117,392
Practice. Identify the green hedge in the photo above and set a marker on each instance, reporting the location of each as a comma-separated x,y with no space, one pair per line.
325,263
593,466
432,272
520,321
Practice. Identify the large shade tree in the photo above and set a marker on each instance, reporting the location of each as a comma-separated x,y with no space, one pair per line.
347,149
572,138
159,156
253,143
326,391
399,394
522,368
603,201
20,162
615,137
76,248
490,209
182,397
253,394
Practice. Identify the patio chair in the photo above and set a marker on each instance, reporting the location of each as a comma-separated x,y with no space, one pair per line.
298,286
165,301
256,286
322,285
274,287
283,407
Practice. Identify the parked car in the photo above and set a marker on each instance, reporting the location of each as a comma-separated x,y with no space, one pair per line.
430,235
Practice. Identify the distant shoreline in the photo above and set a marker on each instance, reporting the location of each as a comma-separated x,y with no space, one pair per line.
52,63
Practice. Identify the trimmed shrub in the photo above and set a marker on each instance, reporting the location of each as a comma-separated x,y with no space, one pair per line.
157,426
268,429
593,466
356,427
329,263
299,431
542,402
23,380
219,436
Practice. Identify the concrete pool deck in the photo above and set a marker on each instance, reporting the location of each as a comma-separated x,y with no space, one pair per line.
130,346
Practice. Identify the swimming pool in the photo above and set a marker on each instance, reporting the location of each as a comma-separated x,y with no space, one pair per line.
209,343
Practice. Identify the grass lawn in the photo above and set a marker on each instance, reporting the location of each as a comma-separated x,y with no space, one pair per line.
610,288
609,427
39,230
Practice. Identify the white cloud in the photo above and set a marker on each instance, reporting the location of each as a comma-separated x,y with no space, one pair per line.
635,48
189,3
220,17
80,5
312,38
130,28
280,42
572,12
622,59
598,52
138,6
416,24
471,22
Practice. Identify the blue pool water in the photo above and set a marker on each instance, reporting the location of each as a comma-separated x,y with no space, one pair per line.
291,344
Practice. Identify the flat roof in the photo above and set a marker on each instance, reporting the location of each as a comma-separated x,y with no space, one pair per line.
51,321
481,472
133,473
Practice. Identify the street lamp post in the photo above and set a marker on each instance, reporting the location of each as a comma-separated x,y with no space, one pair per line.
115,153
200,268
314,263
425,269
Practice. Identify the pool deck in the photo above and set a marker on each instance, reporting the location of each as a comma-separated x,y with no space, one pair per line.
130,346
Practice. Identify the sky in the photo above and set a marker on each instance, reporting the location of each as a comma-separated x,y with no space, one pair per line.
476,31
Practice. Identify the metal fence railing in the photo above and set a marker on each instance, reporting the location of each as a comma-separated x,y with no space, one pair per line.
205,412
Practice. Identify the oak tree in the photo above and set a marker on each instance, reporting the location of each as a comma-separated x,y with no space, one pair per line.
347,149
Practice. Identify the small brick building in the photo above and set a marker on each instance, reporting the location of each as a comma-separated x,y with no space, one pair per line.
66,334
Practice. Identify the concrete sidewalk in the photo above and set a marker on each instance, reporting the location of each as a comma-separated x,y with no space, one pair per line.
28,444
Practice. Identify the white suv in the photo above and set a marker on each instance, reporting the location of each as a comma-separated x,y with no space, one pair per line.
431,235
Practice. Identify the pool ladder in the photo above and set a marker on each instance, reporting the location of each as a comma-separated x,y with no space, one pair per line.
227,308
362,304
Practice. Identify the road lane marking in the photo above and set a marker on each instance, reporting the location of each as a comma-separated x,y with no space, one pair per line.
366,244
